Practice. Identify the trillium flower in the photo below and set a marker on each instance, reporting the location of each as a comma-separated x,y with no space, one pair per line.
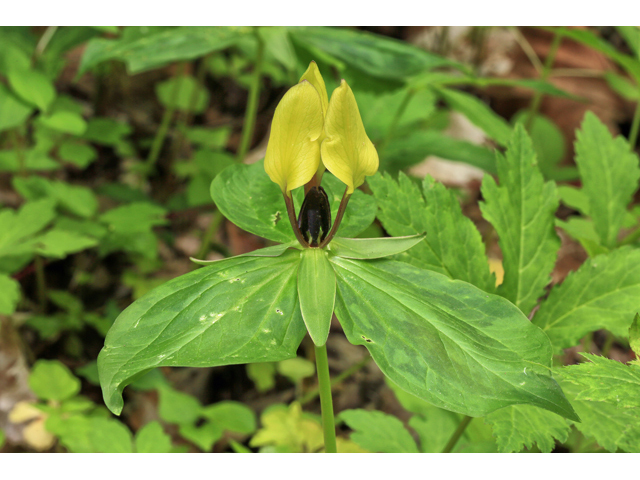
309,133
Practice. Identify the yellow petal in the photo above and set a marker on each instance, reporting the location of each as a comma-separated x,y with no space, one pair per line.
312,75
347,152
293,152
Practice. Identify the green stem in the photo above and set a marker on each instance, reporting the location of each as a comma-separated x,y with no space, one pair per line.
635,126
167,117
462,426
252,103
546,70
314,392
326,403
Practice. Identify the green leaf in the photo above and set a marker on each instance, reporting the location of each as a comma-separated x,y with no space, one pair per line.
80,154
622,86
609,173
582,229
523,426
9,294
240,310
317,293
404,211
33,87
247,197
369,248
183,93
83,434
159,48
204,436
106,131
478,113
605,380
634,335
65,122
444,340
152,439
378,432
51,380
13,112
214,138
231,416
288,428
134,217
612,427
273,251
574,198
178,407
522,210
602,293
548,141
296,369
374,55
262,375
78,200
60,243
110,436
2,439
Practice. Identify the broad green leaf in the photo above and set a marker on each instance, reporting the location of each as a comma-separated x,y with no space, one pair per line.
603,293
405,211
84,434
134,217
247,197
178,407
444,340
634,335
9,294
152,439
378,432
609,173
610,426
368,248
231,416
288,428
478,113
605,380
51,380
240,310
375,55
183,93
60,243
13,112
106,131
215,138
434,429
80,154
278,45
405,151
296,369
76,199
521,426
262,375
33,87
110,436
204,436
317,293
522,210
65,122
159,48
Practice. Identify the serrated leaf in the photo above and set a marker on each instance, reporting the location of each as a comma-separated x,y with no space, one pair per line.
9,294
246,196
478,113
370,248
609,173
378,432
404,211
317,293
603,293
523,426
610,426
522,211
240,310
152,439
605,380
444,340
51,380
634,335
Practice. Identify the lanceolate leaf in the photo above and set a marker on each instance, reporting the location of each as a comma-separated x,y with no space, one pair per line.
247,197
368,248
239,310
523,426
609,173
453,245
522,211
606,380
317,292
273,251
603,293
446,341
